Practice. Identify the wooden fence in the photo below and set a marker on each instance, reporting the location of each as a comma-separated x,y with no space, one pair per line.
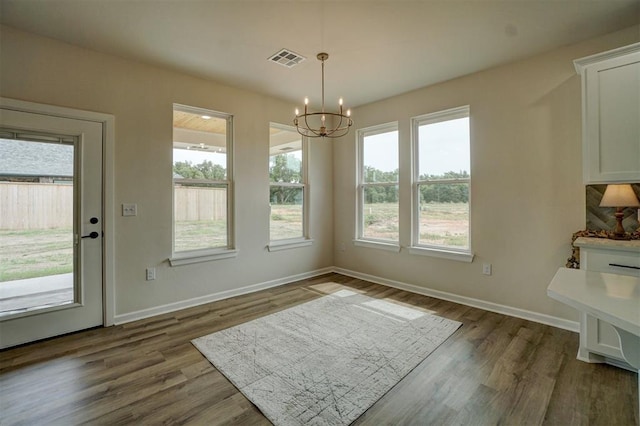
45,205
35,205
192,203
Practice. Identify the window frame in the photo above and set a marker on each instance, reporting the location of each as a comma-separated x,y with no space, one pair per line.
305,239
185,257
360,239
447,252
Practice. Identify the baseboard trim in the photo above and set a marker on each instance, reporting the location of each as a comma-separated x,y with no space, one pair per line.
214,297
463,300
468,301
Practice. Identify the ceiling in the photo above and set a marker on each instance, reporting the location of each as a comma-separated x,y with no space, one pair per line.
377,48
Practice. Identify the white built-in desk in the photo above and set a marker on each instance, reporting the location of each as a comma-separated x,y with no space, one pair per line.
609,297
599,341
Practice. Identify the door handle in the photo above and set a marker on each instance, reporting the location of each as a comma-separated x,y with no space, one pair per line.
92,235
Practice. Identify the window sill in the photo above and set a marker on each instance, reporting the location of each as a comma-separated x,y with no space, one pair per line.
288,244
442,253
377,245
188,258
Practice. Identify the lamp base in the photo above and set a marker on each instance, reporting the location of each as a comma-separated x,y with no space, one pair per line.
618,233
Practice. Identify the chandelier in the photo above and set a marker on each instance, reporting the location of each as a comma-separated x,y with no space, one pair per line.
314,124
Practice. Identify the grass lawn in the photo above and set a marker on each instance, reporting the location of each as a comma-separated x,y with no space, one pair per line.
444,224
37,253
193,235
286,222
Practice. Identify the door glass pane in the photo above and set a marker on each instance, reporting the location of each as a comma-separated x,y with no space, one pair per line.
36,225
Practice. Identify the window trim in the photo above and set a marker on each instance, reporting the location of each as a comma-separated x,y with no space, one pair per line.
201,255
360,239
305,239
452,253
185,257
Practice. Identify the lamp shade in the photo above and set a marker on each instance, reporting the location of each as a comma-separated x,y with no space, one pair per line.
619,196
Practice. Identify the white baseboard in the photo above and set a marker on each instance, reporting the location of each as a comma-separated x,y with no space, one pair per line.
196,301
468,301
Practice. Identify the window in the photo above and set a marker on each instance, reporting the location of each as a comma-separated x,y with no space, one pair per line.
202,183
442,178
288,193
378,213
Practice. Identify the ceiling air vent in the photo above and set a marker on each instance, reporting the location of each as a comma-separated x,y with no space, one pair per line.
287,58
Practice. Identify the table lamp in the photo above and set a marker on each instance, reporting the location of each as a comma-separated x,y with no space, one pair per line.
619,196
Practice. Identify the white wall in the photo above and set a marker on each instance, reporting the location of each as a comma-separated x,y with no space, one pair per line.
140,97
528,197
527,191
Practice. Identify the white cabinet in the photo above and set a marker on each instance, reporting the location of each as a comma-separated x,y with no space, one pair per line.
598,340
611,115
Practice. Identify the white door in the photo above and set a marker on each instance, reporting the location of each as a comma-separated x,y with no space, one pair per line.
51,225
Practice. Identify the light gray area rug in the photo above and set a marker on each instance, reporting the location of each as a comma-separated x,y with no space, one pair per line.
325,362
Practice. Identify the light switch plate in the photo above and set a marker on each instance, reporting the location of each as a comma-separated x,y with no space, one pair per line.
151,274
129,210
486,268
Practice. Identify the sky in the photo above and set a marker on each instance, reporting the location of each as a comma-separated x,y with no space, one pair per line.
444,147
197,157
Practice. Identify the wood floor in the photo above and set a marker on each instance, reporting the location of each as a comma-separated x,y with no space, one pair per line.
494,370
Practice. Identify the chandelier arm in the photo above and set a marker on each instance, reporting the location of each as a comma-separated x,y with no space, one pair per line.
339,123
306,124
336,128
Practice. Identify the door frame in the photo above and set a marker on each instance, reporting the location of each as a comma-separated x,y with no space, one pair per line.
108,212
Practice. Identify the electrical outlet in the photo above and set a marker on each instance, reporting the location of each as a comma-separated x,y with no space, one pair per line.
151,274
486,268
129,210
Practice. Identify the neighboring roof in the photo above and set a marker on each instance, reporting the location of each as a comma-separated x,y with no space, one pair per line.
21,158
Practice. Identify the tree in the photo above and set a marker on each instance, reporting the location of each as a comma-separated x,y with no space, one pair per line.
285,168
205,170
371,174
442,192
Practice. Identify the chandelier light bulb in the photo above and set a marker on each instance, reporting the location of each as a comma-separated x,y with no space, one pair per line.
340,101
297,112
306,101
348,113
